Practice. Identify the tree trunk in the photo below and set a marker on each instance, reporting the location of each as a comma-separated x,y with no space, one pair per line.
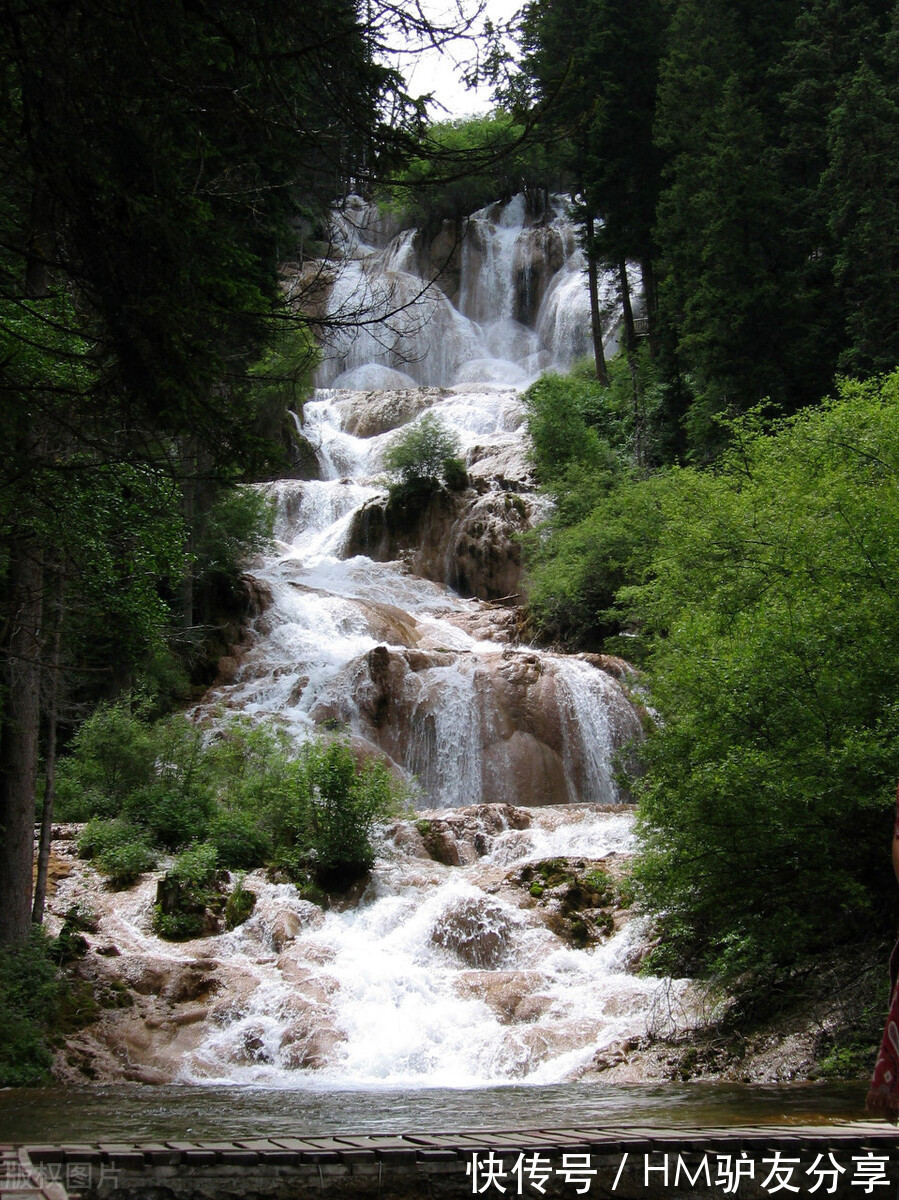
19,739
630,346
52,707
602,373
651,298
188,508
630,333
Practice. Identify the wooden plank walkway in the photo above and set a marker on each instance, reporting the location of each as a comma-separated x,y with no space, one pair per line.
857,1159
22,1179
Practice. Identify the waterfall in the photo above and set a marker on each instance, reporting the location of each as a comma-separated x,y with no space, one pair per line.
521,307
475,954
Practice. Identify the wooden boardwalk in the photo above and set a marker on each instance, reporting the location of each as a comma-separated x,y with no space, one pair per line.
854,1159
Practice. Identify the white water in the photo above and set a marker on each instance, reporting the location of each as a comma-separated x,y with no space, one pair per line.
449,976
522,304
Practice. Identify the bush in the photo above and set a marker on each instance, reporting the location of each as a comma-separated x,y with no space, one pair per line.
327,828
111,755
196,866
423,453
562,418
247,796
152,775
455,474
171,816
239,905
123,864
178,926
99,836
767,804
184,893
30,992
239,842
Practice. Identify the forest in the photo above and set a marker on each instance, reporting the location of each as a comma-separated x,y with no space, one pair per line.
725,486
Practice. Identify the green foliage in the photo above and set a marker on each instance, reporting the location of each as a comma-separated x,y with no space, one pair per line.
455,475
250,797
336,805
177,926
774,630
598,882
238,525
563,415
282,378
239,906
150,774
196,867
185,891
122,864
30,993
100,835
423,454
112,754
468,163
239,841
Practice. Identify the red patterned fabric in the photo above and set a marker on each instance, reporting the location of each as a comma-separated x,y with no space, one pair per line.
883,1095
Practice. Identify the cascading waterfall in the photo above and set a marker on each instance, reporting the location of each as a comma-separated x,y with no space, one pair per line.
522,304
451,969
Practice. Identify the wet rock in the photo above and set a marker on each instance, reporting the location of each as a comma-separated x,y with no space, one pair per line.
513,996
227,670
463,539
303,1050
284,929
383,410
475,929
439,843
191,982
520,737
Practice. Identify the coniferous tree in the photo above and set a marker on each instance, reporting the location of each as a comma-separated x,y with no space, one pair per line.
158,161
862,185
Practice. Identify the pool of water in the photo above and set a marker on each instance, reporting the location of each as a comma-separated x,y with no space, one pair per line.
136,1113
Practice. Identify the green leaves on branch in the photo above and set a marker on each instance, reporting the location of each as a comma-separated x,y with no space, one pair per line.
244,800
760,597
770,603
424,456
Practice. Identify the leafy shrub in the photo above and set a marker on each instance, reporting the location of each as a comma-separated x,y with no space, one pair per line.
169,815
111,755
248,795
99,836
327,828
238,840
30,992
239,905
770,779
422,452
123,864
184,893
239,524
562,418
455,474
178,926
150,774
196,866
